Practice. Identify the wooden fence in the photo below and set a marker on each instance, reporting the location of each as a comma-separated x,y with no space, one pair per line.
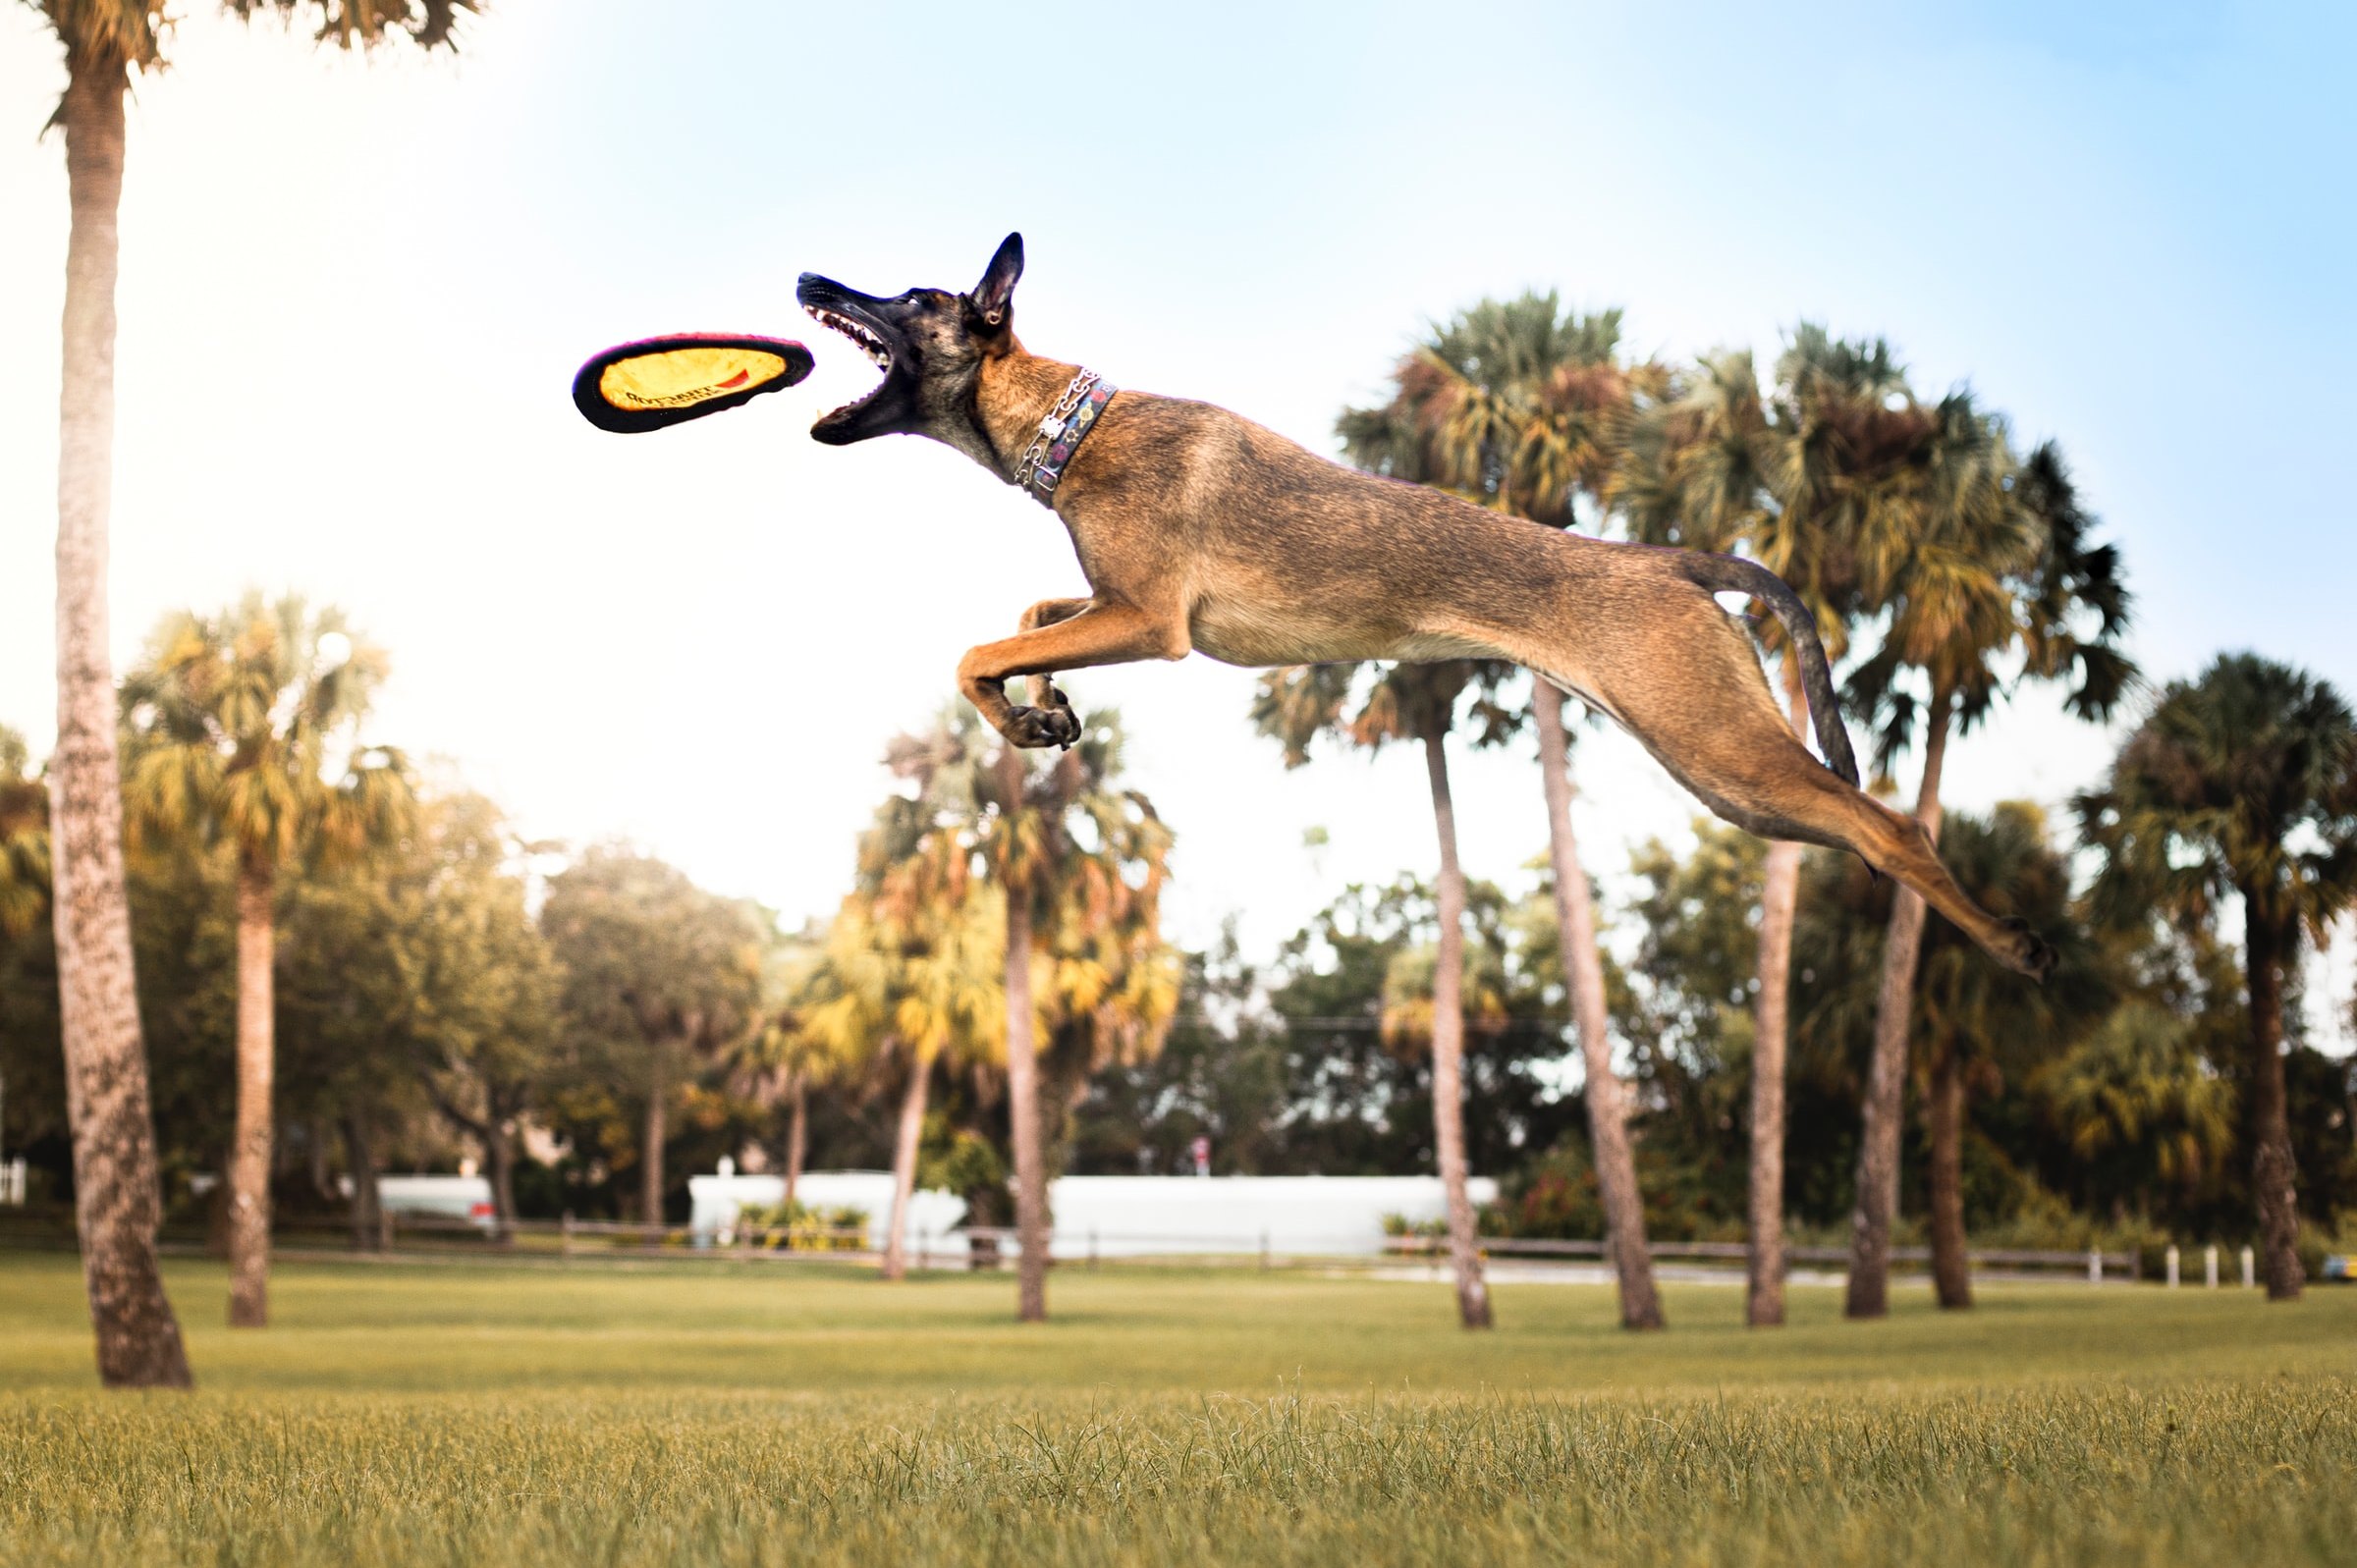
570,1240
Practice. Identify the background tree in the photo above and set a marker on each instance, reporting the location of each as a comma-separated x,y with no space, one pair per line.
117,1203
1681,1004
1990,580
1221,1076
24,839
657,973
348,997
1402,702
909,983
475,1017
1790,478
236,723
31,1094
2139,1115
1980,1026
1078,863
1525,408
1094,857
790,1058
2241,782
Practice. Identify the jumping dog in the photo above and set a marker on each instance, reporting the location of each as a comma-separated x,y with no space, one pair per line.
1199,531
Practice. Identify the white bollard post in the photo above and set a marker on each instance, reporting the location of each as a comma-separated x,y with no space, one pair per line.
2095,1265
2210,1266
2250,1270
2173,1266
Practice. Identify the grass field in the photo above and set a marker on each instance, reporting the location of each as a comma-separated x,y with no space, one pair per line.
414,1414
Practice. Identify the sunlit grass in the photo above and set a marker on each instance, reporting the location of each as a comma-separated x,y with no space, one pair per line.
458,1416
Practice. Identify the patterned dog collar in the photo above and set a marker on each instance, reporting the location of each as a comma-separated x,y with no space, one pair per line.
1060,435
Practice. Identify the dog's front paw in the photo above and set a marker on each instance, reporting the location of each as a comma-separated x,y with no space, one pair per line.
2025,951
1034,727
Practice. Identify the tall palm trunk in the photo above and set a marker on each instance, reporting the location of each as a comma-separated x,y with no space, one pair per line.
903,1164
1583,967
1448,1051
656,1133
116,1202
250,1146
1887,1073
2271,1168
1771,1036
797,1134
1951,1270
1023,1114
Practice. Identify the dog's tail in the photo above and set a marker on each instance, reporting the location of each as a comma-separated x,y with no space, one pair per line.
1735,575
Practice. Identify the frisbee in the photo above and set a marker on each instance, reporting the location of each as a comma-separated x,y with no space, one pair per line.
662,381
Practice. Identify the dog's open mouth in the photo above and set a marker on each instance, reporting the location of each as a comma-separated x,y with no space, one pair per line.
867,343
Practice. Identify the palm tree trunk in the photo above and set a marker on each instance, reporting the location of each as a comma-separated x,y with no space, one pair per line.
904,1166
359,1156
2273,1175
250,1146
116,1200
1023,1113
797,1134
1887,1072
1608,1113
657,1132
1951,1271
1771,1035
499,1152
1448,1051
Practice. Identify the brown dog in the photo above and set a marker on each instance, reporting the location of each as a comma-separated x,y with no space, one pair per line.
1201,532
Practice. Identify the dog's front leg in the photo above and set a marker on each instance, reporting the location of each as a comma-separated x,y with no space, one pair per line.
1104,632
1049,612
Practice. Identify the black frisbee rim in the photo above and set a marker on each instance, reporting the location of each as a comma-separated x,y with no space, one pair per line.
633,421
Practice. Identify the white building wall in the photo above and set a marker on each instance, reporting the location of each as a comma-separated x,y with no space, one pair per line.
1129,1215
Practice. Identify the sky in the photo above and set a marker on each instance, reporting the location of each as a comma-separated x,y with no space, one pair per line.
354,293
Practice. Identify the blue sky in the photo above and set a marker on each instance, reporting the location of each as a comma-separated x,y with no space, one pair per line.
353,296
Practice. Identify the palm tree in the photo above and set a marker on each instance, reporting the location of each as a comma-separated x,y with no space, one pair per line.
788,1055
1990,580
2242,782
1977,1022
1787,478
234,722
1522,407
116,1200
908,983
24,839
1107,979
1408,702
2136,1102
1084,920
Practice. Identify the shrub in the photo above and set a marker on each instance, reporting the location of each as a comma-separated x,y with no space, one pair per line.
796,1227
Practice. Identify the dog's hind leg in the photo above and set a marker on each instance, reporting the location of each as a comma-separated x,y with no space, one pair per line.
1740,758
1713,723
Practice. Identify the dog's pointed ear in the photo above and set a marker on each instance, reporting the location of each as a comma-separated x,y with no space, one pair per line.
994,296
